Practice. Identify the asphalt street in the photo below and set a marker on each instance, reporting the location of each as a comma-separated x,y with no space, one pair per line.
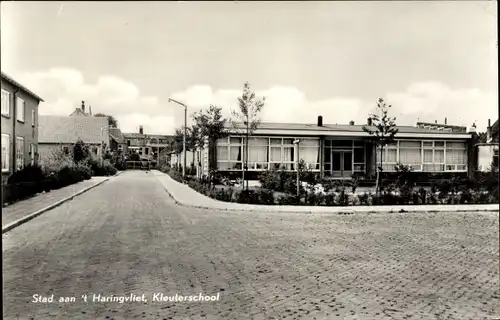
127,238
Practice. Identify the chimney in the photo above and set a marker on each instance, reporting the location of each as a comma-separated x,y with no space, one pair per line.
90,110
320,121
445,120
369,121
83,106
488,131
351,123
435,121
141,130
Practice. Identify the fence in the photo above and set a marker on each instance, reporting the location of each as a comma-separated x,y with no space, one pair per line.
140,165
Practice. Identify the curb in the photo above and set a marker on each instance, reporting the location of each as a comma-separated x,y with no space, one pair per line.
35,214
341,210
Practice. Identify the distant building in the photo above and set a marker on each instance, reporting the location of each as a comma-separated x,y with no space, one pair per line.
81,112
61,132
487,147
148,146
19,126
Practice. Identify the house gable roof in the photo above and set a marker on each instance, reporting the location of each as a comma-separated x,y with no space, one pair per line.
67,129
13,82
117,135
483,137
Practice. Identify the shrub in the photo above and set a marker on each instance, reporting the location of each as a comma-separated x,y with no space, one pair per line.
248,196
223,194
288,200
80,152
101,168
84,171
30,173
364,199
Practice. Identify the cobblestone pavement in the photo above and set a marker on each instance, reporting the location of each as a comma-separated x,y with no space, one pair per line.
22,208
126,236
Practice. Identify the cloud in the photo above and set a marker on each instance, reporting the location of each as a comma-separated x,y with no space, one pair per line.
63,89
424,101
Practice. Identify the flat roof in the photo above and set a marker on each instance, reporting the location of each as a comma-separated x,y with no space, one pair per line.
345,130
13,82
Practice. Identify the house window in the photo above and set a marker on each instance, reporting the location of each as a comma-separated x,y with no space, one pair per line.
20,110
19,153
495,158
33,115
5,103
456,156
389,157
32,153
5,152
146,151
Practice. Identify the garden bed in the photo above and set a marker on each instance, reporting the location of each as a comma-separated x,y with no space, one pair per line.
277,188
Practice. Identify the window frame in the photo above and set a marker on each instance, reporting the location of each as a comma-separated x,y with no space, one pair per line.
5,109
20,106
19,153
7,155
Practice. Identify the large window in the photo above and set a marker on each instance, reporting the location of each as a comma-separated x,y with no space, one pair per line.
456,156
426,156
5,152
5,103
19,153
266,153
20,109
229,154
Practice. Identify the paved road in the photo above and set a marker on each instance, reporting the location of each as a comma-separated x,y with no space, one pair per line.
126,236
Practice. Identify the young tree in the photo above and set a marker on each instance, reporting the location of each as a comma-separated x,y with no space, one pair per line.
249,109
112,122
382,130
211,124
81,151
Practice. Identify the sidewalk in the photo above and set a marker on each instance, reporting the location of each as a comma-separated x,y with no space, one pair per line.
26,207
185,196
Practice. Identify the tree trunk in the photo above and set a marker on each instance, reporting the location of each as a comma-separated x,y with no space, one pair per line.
377,182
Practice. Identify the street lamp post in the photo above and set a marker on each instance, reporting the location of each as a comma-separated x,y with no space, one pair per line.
296,142
184,136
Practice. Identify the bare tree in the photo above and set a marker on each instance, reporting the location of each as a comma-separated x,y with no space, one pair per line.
383,130
248,113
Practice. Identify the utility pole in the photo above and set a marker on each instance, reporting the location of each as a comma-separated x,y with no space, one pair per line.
184,138
296,142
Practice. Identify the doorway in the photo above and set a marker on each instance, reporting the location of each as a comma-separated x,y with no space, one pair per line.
342,164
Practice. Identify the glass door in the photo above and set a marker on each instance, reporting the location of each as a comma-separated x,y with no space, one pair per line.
341,164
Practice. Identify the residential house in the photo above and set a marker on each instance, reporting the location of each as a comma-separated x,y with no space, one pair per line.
117,142
57,133
82,112
19,126
487,147
343,151
149,146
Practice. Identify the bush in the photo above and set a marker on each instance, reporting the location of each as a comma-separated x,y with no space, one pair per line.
248,196
30,173
100,169
84,171
19,191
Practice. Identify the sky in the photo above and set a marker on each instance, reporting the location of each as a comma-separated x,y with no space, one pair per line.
429,59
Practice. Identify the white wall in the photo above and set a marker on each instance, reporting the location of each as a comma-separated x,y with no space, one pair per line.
485,156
